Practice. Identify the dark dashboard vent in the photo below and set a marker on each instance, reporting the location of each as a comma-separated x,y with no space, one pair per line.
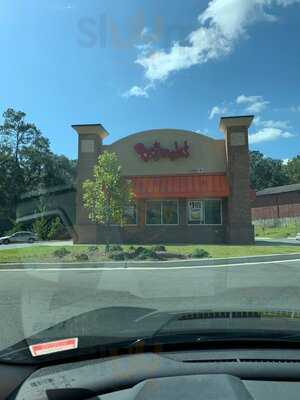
268,360
238,314
245,360
226,360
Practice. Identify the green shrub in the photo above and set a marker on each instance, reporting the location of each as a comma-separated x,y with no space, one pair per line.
139,250
41,228
62,252
115,247
92,249
143,253
57,230
138,253
129,255
82,257
141,256
199,253
117,255
159,247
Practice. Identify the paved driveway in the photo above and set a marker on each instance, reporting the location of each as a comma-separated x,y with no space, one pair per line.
287,241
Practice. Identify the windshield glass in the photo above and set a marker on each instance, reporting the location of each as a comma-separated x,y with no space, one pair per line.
149,172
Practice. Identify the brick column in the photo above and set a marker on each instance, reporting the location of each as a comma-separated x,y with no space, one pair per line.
90,139
239,228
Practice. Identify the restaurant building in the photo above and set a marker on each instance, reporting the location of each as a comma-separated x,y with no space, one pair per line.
189,188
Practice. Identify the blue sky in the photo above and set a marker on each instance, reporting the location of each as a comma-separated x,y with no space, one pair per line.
137,65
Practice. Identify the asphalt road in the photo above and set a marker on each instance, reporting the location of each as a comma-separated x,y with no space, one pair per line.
32,300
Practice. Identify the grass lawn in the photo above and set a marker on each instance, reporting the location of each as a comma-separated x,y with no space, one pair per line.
40,253
227,251
278,232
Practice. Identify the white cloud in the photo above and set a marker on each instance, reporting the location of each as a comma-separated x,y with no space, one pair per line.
216,110
136,91
286,3
295,108
144,48
272,124
242,99
254,104
222,24
145,31
257,120
269,134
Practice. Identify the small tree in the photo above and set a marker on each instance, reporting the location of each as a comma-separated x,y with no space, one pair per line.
108,193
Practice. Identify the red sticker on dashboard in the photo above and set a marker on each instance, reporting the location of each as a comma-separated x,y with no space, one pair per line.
41,349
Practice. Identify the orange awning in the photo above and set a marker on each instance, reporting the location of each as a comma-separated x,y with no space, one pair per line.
180,186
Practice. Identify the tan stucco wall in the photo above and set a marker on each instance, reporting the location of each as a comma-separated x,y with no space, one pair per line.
206,154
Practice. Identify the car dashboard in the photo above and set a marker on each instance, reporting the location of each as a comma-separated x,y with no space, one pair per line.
219,374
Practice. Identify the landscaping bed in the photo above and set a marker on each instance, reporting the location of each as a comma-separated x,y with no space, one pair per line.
94,253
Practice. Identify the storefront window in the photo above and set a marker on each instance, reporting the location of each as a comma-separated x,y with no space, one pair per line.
162,212
153,213
170,212
130,215
213,212
206,212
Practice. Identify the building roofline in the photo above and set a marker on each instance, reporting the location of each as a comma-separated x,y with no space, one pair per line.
173,130
88,129
238,120
295,187
239,116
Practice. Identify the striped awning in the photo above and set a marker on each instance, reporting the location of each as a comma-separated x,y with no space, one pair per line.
180,186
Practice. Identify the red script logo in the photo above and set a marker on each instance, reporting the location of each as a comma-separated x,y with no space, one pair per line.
156,152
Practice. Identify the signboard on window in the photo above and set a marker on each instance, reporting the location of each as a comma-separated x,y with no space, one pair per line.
206,212
195,211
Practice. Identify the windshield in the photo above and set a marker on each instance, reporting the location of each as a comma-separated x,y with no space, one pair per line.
149,173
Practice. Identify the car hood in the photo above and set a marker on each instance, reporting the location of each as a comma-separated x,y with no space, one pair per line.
111,326
4,237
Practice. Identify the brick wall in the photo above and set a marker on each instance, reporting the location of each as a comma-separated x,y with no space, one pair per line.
239,228
276,206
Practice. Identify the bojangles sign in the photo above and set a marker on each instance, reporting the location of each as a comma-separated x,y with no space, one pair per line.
156,152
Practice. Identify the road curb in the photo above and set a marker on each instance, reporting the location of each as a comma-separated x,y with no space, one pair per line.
205,262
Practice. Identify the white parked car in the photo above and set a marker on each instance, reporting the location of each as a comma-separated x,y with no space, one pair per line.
298,236
19,237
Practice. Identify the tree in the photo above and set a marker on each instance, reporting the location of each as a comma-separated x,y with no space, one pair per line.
266,172
15,135
26,164
293,170
108,193
6,215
